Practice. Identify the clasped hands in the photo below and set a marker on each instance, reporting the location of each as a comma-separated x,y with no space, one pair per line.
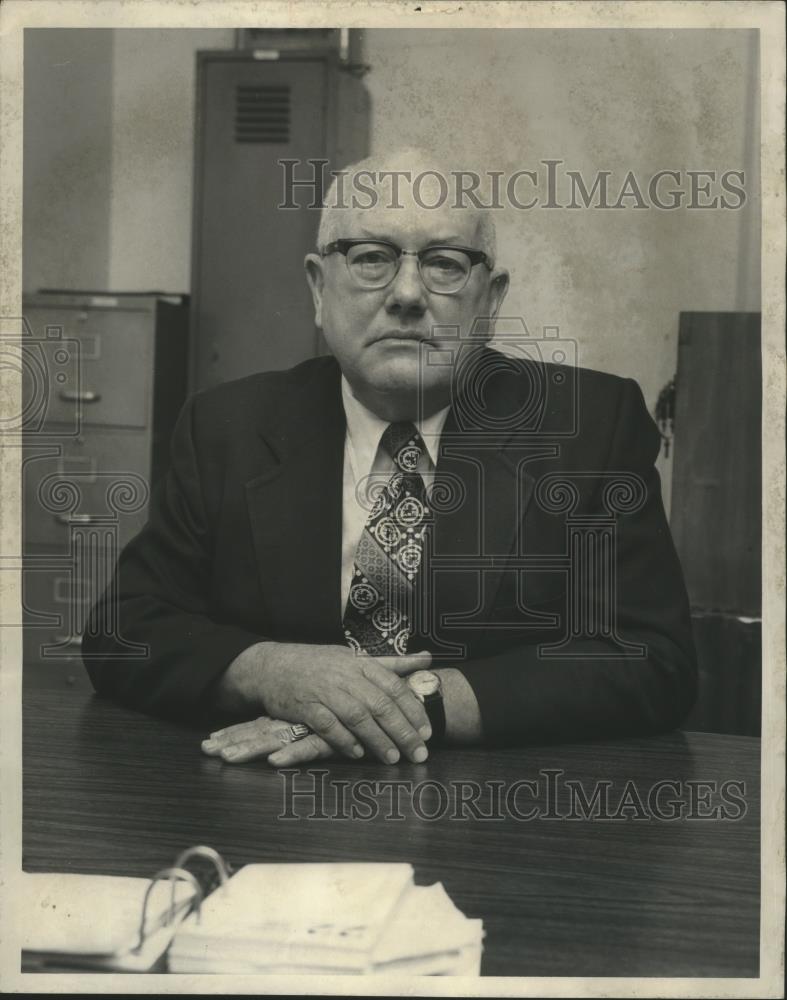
353,703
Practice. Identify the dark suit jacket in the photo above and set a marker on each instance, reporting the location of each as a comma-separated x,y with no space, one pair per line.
243,543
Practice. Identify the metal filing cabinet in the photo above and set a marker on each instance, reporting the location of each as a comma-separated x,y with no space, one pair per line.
104,377
255,112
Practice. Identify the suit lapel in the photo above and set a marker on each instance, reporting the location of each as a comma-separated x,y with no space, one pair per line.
481,494
483,475
295,512
479,522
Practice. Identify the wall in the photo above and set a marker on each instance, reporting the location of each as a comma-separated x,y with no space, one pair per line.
152,153
613,280
108,148
109,165
67,158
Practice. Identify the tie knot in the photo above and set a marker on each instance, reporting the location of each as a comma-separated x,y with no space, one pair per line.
403,443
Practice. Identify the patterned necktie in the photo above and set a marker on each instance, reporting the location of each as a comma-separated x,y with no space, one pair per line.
378,618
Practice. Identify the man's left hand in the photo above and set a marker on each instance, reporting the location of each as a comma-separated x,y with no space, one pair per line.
265,737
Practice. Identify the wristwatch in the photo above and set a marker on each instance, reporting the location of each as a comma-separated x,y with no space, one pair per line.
428,689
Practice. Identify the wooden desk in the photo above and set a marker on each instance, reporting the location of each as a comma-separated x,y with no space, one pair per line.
109,791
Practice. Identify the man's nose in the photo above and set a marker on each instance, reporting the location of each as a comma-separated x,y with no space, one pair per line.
407,291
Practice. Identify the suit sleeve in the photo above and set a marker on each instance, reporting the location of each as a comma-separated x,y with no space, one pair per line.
150,641
588,692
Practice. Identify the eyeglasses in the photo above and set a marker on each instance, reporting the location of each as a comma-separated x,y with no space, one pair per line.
444,270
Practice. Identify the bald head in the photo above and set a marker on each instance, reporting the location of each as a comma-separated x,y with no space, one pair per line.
407,182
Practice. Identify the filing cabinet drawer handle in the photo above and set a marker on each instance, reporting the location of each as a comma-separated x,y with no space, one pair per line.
72,396
75,518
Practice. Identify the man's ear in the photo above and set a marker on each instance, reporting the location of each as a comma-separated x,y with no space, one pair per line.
498,286
316,279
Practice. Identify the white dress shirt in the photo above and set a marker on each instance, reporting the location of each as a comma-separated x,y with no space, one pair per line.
364,456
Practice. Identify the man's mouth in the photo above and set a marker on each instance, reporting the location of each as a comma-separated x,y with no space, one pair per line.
414,335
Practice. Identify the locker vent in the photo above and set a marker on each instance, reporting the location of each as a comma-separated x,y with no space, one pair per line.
262,114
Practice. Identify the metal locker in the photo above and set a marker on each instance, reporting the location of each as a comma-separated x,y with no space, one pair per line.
251,308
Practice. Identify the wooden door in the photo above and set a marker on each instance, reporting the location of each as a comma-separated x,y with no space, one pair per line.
716,513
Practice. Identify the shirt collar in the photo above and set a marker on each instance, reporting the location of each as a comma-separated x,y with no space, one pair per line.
365,430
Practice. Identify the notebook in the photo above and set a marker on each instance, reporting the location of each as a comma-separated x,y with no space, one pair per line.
329,916
329,919
342,918
93,921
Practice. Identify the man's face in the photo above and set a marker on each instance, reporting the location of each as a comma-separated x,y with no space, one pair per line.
377,335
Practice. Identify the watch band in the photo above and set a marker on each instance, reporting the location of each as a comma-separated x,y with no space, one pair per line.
435,710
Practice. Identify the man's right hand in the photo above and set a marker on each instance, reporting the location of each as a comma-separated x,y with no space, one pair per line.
352,701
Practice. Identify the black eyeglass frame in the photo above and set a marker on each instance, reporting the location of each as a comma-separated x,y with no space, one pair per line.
343,246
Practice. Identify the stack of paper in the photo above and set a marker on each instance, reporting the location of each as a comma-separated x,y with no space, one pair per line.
93,921
341,919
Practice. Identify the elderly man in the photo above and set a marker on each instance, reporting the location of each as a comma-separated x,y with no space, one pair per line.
373,553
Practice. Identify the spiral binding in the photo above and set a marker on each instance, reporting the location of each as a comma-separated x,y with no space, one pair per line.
178,872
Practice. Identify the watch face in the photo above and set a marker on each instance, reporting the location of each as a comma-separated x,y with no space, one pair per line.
423,683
